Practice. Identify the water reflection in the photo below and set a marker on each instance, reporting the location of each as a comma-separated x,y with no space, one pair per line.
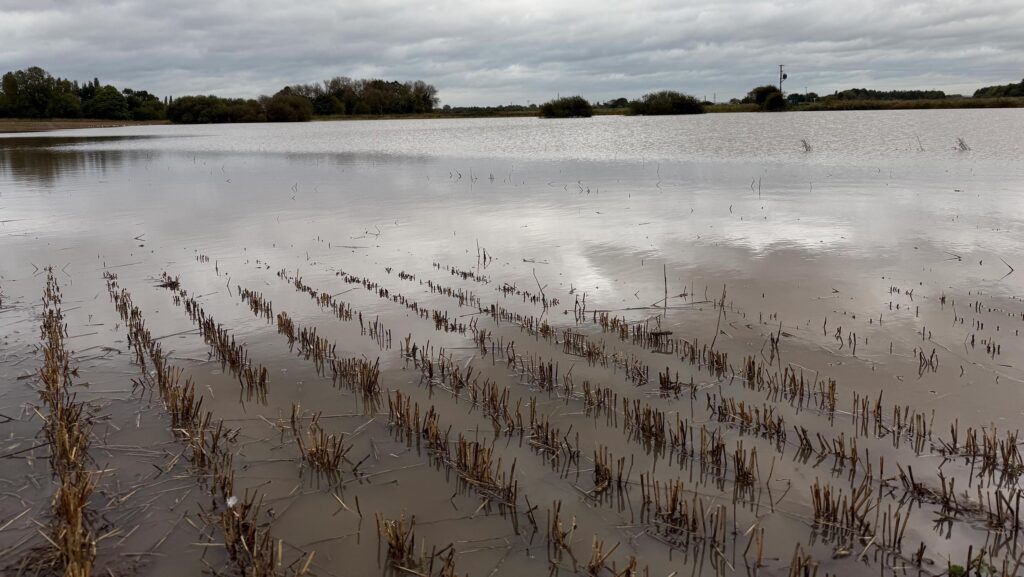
43,161
256,185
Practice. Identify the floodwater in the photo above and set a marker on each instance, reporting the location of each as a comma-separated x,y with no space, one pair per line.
844,308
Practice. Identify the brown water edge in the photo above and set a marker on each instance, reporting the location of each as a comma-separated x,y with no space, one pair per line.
12,125
316,516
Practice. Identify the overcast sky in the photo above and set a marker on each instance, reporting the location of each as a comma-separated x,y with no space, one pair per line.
500,52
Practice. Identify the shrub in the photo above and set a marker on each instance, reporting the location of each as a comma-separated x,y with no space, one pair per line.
567,107
767,97
760,94
774,102
666,102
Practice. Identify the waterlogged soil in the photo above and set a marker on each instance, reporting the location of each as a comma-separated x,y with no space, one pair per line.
692,346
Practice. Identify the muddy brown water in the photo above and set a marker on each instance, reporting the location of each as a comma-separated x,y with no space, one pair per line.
887,258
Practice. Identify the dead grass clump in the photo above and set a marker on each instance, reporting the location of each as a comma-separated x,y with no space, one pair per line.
259,306
67,429
802,565
646,422
248,541
987,449
320,450
401,540
169,282
744,467
495,405
843,514
608,472
548,440
599,557
400,537
477,467
559,538
678,519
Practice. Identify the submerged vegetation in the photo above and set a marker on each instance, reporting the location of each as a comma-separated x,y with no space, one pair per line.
694,456
248,414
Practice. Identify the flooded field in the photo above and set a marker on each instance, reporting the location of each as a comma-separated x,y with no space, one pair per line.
781,344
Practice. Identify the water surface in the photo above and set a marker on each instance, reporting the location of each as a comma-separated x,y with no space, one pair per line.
881,242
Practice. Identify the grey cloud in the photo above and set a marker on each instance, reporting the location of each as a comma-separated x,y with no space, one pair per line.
491,52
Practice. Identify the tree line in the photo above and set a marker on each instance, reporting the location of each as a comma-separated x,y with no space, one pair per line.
1001,91
335,97
343,95
35,93
660,103
867,94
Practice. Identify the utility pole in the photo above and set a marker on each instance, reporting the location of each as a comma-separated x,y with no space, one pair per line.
782,76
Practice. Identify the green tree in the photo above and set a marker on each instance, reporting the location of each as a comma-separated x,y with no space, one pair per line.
108,104
8,94
142,105
328,105
64,105
149,110
422,95
88,90
27,92
286,106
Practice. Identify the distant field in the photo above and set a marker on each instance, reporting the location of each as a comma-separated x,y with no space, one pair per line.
9,125
39,125
912,104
